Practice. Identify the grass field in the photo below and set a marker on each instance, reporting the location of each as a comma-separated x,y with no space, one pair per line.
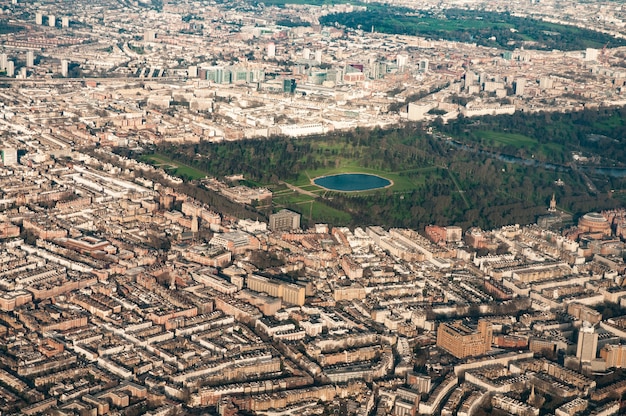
504,139
281,3
310,206
474,26
173,167
402,181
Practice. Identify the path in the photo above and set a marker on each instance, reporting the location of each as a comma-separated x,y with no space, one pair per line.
458,187
300,190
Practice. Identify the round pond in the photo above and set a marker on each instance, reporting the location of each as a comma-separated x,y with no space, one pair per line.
346,182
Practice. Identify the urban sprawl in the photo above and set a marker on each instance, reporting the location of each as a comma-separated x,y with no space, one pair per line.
121,295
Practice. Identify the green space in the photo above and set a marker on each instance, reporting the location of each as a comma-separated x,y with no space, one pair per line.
506,139
172,167
550,137
505,172
282,3
492,29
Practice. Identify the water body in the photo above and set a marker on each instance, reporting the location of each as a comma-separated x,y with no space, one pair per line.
347,182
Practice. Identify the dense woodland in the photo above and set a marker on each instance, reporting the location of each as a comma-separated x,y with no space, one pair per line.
459,185
599,132
501,30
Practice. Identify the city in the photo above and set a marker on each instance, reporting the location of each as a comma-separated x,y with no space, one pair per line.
132,286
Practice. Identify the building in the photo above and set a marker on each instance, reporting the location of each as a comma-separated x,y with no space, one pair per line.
65,66
614,356
52,21
9,156
587,343
462,341
284,220
520,84
423,65
30,59
289,85
235,241
39,18
594,222
591,54
288,292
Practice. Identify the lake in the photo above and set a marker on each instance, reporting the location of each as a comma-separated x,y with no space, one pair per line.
352,182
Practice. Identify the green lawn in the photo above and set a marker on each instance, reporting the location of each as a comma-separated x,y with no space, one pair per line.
504,139
402,181
173,167
324,213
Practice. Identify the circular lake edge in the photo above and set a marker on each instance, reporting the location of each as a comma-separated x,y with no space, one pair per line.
390,184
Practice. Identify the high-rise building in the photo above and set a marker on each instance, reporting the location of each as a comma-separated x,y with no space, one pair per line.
546,83
149,36
402,61
10,68
39,18
424,65
284,220
520,84
289,85
9,156
30,59
65,21
591,54
52,21
271,50
318,56
3,61
192,72
587,343
462,341
65,66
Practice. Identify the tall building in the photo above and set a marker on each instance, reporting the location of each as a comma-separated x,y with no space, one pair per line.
402,61
284,220
591,54
10,68
65,21
462,341
546,83
318,56
149,36
587,343
65,66
271,50
3,61
423,65
39,18
52,21
30,59
289,85
520,84
9,156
